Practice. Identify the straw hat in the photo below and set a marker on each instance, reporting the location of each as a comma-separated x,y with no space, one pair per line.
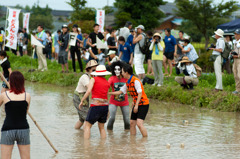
101,71
111,52
219,32
185,60
91,63
157,34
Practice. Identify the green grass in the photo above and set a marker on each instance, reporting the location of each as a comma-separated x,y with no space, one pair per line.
202,96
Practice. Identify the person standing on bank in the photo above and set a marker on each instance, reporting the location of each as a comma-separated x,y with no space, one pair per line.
140,103
15,126
64,46
76,49
98,110
92,39
180,42
81,90
5,64
116,82
42,37
236,63
170,51
220,45
157,46
138,55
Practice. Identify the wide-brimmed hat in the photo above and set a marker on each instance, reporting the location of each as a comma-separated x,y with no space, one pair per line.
219,32
101,71
91,63
140,27
111,52
185,60
228,34
157,34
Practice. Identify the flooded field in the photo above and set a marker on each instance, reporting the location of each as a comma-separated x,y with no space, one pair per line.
175,131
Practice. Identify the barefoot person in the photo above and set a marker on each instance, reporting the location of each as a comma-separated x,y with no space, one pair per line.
140,100
15,126
5,64
98,110
116,82
81,90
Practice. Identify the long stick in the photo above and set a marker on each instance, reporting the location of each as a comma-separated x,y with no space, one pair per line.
4,40
30,115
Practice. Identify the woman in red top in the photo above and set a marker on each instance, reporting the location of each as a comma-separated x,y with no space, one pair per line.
98,111
116,82
140,100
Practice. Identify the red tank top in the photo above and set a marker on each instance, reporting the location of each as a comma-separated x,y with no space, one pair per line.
100,88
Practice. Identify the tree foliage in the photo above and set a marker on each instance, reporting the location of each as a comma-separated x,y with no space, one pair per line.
205,14
142,12
86,25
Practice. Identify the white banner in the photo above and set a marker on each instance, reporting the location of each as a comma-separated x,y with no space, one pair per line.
100,44
100,19
35,42
12,29
26,17
72,39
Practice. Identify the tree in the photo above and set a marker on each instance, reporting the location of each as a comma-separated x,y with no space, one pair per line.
108,9
142,12
205,14
78,6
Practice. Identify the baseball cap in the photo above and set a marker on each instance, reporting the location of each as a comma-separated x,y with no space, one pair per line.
237,31
64,26
140,27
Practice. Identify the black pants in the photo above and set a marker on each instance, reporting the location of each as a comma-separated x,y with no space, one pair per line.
73,50
21,50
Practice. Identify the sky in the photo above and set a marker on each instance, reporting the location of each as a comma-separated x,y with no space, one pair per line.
61,4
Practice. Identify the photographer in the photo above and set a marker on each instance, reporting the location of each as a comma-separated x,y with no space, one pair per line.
217,58
157,58
236,64
187,68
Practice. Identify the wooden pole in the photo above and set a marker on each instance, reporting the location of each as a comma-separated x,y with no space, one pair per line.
30,115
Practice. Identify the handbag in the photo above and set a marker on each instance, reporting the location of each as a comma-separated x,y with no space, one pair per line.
213,58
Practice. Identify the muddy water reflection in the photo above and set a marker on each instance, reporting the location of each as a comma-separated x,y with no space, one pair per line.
208,134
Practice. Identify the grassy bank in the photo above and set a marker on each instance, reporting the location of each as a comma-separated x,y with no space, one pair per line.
202,96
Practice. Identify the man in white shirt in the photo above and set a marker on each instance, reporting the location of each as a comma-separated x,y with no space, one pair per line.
236,64
125,31
220,45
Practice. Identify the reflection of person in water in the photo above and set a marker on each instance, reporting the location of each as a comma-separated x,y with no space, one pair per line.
116,82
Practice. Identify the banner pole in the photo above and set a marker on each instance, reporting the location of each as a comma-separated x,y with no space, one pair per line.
5,30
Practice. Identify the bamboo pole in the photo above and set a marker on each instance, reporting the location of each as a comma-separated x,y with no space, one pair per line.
30,115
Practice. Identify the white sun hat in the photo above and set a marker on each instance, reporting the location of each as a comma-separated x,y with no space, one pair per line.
101,71
111,52
219,32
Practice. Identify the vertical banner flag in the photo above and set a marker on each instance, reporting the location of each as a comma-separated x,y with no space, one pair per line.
72,39
12,29
100,19
26,17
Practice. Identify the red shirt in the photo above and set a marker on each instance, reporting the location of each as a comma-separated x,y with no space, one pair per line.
100,88
116,84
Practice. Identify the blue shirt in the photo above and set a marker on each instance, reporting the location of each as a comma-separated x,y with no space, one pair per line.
56,39
170,43
126,52
42,36
79,36
130,41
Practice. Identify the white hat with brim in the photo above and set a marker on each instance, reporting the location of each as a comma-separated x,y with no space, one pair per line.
140,27
157,34
219,32
111,52
101,71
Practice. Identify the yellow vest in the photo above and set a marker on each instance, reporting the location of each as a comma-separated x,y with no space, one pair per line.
160,56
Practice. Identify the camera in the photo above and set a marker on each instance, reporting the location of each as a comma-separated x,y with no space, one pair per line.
156,41
211,46
232,54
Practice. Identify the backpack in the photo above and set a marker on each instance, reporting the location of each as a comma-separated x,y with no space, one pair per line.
145,48
226,51
198,70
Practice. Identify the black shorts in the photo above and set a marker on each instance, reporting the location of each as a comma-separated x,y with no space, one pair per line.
169,55
141,114
149,56
97,114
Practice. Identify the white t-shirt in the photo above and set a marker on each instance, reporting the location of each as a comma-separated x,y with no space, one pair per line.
82,83
137,86
86,55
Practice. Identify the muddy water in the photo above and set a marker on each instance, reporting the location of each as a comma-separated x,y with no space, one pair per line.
204,133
